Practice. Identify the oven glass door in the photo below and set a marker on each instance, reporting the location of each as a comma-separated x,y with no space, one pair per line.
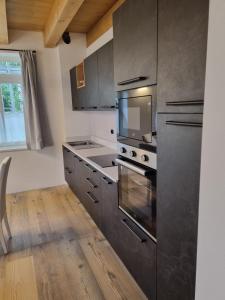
135,118
137,198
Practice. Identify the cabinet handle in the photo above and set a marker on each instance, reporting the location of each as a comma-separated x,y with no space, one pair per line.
68,170
142,240
182,123
187,102
106,180
132,80
78,158
108,106
90,196
90,168
91,183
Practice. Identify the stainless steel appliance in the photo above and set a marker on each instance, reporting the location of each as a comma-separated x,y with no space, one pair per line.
137,116
137,187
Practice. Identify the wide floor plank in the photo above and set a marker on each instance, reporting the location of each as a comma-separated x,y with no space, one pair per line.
57,252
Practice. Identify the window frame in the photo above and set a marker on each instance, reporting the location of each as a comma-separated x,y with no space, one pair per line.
6,78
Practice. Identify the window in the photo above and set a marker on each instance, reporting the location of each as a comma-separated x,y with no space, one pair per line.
12,124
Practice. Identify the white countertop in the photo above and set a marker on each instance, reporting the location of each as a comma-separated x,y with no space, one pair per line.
110,172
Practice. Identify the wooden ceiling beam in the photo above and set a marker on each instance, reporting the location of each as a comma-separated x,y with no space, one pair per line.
61,14
104,24
4,38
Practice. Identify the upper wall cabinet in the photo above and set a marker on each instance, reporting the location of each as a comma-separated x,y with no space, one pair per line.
107,97
91,81
92,85
182,44
135,44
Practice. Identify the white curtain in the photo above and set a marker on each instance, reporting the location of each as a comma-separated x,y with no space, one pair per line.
31,99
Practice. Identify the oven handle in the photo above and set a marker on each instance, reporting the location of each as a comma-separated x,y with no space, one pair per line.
134,168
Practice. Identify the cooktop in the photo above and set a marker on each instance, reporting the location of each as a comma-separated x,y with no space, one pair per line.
104,161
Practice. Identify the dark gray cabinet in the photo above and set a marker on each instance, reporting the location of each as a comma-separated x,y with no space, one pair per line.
138,253
109,210
99,195
98,92
135,44
91,81
179,153
107,96
182,45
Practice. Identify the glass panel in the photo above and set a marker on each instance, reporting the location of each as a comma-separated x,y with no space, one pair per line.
10,63
138,198
12,125
135,118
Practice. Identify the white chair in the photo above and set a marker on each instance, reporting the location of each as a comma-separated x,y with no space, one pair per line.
4,169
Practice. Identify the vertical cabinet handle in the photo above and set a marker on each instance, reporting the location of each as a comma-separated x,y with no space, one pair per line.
142,240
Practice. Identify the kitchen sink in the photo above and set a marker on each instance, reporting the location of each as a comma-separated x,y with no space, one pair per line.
84,144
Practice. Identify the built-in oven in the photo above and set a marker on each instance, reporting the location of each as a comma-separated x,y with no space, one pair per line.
137,193
137,116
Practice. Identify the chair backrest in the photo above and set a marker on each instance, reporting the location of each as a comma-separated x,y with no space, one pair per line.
4,170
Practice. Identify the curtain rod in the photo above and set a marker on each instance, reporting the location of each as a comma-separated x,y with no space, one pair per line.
16,50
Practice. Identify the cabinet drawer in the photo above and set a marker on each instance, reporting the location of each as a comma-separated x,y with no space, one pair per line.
138,253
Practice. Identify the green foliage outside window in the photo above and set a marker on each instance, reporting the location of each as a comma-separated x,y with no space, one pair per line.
12,97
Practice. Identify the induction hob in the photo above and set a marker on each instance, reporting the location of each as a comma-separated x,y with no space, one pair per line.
104,161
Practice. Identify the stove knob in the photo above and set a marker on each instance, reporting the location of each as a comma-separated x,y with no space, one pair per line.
133,153
123,150
144,157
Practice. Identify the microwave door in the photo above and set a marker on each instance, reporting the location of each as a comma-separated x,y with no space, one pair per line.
135,118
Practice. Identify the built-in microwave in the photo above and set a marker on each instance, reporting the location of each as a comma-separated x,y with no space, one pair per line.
137,116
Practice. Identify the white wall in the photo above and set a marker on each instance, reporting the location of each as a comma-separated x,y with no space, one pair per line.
30,169
210,283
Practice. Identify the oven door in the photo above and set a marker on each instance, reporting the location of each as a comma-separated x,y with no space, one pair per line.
137,195
135,118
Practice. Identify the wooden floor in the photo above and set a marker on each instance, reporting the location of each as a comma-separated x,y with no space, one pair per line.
58,253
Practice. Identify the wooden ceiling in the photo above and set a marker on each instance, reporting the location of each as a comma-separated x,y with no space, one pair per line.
53,17
89,14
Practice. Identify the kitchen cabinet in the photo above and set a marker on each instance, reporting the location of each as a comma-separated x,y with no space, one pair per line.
78,94
68,166
182,46
138,253
91,82
109,210
135,44
179,153
97,90
92,192
107,96
99,195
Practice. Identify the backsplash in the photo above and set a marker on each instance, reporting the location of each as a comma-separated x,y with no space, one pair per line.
101,124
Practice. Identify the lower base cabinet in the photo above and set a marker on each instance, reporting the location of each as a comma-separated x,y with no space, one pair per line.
99,195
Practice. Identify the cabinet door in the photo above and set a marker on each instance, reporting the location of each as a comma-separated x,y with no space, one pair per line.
74,93
178,166
182,45
135,44
109,191
138,253
91,192
91,82
68,166
107,95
